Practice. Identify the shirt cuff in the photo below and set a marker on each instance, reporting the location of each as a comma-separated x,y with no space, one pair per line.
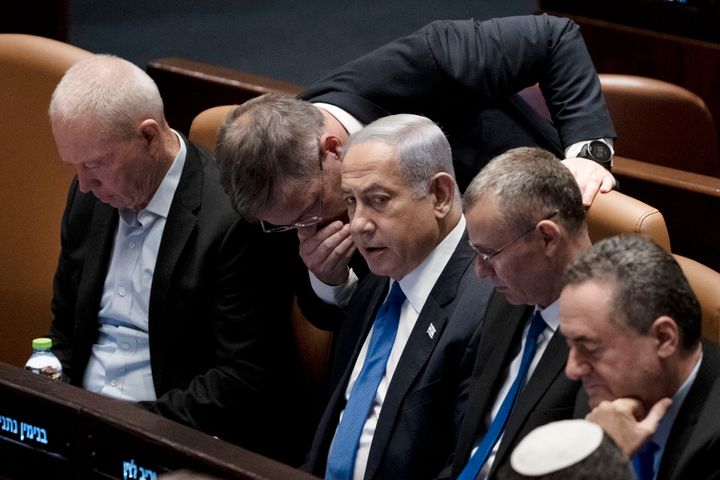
338,295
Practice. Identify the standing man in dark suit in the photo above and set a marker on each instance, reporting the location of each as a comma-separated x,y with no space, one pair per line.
633,326
278,154
526,222
163,294
406,219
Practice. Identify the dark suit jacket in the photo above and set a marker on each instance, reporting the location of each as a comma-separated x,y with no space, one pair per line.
218,322
548,395
693,447
420,414
464,76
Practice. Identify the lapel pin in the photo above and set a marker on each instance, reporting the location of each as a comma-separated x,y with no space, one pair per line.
431,331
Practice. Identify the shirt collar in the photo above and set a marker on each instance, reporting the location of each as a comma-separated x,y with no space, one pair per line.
551,314
159,204
418,284
350,123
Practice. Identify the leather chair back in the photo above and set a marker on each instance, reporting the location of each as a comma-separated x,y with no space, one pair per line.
657,122
661,123
312,343
204,127
705,282
614,213
34,187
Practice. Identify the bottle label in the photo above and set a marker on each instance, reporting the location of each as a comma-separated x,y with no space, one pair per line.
46,371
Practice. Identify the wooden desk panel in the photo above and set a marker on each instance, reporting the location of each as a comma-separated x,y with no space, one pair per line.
54,430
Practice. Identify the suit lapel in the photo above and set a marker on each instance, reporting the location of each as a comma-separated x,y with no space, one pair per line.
504,326
551,364
180,224
415,356
418,350
336,403
685,437
99,247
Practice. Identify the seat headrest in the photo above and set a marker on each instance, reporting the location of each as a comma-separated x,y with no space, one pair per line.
614,213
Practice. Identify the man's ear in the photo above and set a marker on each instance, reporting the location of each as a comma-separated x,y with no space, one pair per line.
442,187
667,333
150,130
331,144
551,235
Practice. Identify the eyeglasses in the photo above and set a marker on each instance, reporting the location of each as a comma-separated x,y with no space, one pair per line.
306,222
486,257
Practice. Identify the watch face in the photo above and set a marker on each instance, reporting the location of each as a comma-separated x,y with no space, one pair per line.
600,151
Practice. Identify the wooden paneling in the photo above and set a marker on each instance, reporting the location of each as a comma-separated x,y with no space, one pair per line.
189,87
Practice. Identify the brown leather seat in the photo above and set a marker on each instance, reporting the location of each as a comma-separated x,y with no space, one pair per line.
705,282
657,122
204,127
614,213
313,343
34,187
661,123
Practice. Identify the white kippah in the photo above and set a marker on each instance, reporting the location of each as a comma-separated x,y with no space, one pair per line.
555,446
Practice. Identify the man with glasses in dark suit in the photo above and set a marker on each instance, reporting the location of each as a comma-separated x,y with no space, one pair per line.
526,222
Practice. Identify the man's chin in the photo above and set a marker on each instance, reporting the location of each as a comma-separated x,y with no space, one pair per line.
596,395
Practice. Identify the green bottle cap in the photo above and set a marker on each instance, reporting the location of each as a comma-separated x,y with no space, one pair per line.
42,344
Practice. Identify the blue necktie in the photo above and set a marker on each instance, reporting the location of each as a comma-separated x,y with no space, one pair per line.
644,461
476,462
341,459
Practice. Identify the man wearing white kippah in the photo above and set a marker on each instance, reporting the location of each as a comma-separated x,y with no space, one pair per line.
567,450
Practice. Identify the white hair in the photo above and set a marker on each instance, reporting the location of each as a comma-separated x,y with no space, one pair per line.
114,92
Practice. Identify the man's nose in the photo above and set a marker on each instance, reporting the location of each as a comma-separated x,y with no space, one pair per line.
360,221
86,181
482,268
576,367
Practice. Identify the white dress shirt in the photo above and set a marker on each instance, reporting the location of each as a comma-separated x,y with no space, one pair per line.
119,364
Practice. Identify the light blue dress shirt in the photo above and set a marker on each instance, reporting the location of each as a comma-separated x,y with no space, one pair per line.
119,364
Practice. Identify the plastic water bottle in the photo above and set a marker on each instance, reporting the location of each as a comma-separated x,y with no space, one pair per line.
43,361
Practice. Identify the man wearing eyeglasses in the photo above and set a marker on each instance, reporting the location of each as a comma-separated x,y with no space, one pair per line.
526,222
406,348
464,75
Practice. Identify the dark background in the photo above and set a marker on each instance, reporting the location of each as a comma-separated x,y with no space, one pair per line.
292,40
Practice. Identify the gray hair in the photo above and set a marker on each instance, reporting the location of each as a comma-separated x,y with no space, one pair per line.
421,146
527,184
264,144
114,92
647,283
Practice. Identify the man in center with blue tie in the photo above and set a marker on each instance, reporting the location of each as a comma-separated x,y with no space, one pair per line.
526,222
402,359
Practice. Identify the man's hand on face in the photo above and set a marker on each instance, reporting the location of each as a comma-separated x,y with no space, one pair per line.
624,420
327,251
591,178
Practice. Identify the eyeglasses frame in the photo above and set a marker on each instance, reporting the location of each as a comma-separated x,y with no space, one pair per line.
487,257
307,222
